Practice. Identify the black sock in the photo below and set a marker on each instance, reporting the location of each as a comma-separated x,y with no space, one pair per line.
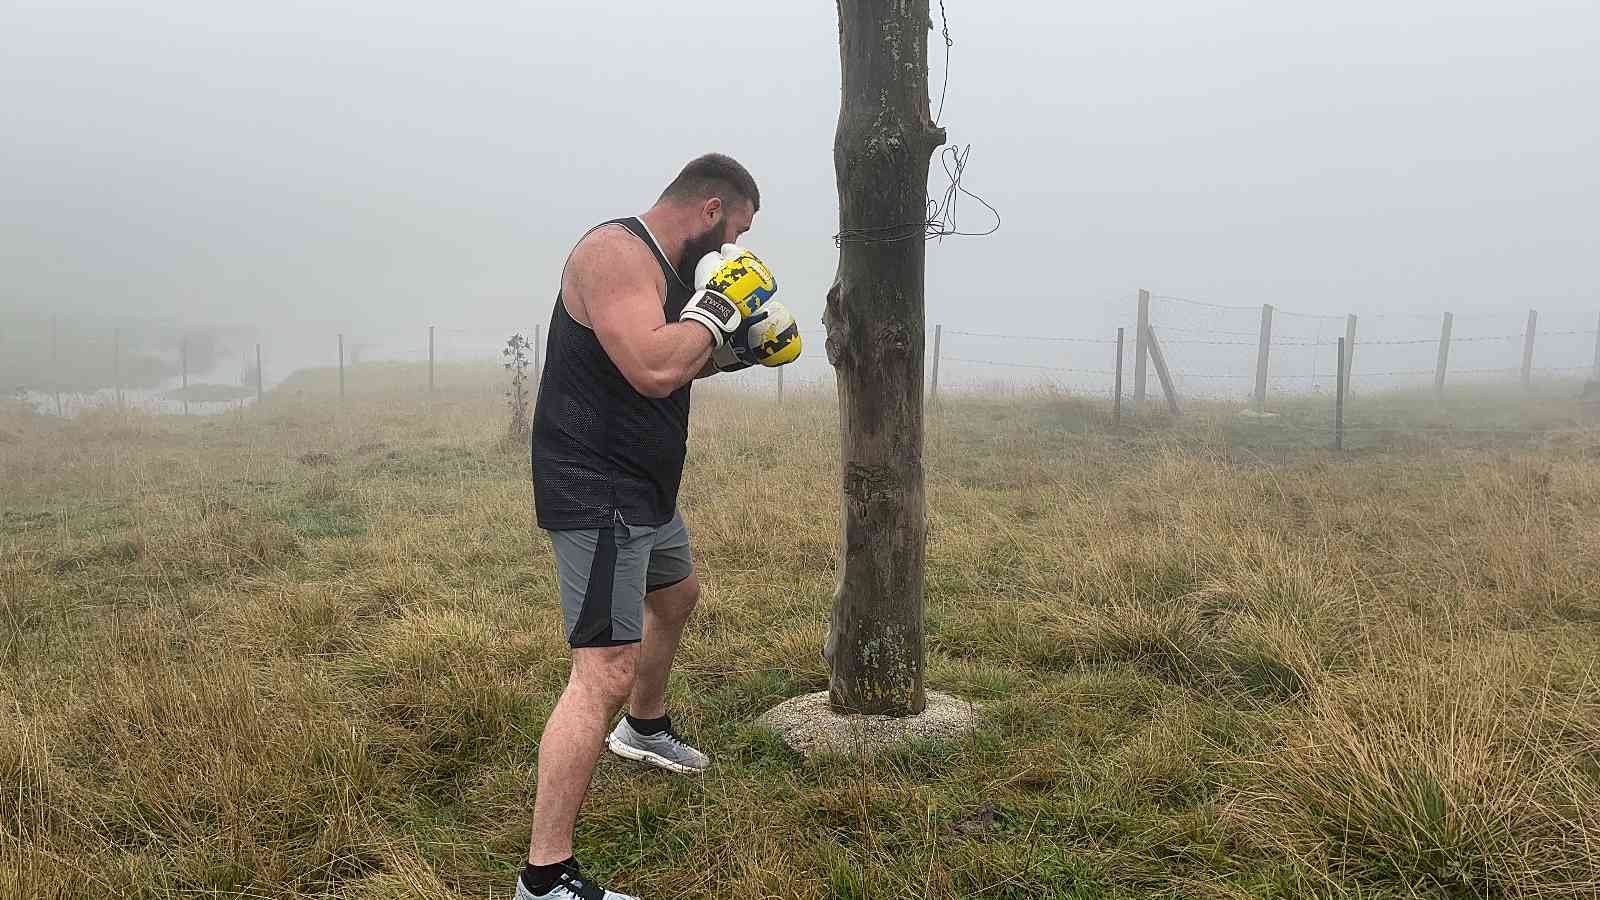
649,726
540,879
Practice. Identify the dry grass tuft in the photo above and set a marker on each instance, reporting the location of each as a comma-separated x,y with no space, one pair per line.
1473,776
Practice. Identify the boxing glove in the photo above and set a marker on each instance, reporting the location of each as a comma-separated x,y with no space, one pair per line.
733,277
768,337
737,274
716,312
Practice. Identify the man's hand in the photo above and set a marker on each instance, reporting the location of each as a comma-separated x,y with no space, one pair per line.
716,312
737,274
733,284
769,337
767,334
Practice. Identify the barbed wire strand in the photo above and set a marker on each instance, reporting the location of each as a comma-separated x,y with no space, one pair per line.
1204,303
1017,365
1032,337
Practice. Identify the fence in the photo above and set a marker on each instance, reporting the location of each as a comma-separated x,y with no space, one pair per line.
1181,348
1269,358
1254,353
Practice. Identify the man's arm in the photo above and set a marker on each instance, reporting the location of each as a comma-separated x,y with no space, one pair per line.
614,278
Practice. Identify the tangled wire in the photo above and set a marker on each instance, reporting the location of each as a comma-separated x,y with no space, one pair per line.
941,218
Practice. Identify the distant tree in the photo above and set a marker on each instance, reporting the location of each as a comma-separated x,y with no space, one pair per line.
83,356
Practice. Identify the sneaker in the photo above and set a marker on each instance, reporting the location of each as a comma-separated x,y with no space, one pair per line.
665,750
572,886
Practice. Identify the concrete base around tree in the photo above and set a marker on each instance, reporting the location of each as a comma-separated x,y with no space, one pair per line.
808,725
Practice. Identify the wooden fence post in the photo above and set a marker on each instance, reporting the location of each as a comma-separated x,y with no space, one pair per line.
1338,401
1159,360
1262,352
1527,348
341,367
1141,347
1444,357
1116,402
1348,356
183,354
258,375
430,362
933,387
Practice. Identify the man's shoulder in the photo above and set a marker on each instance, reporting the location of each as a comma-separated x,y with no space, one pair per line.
608,262
612,245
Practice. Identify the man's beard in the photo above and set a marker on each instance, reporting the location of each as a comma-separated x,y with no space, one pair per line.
696,247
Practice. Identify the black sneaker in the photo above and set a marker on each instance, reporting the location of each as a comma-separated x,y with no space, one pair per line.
571,886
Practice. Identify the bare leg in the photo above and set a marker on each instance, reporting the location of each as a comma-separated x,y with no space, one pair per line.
665,613
599,683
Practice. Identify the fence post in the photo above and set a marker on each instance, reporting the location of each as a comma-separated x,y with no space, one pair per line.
183,355
1159,360
258,375
1141,346
1338,401
1261,357
116,364
1116,402
55,367
1597,349
430,362
933,387
1444,357
1348,355
1527,348
341,367
780,385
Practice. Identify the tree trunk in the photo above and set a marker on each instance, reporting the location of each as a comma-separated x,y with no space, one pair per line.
874,318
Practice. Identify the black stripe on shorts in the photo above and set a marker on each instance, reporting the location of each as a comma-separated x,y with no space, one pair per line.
594,620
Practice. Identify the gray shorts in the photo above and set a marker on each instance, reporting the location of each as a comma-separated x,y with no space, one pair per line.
605,573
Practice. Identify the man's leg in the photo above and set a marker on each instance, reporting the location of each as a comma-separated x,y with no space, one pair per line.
599,683
666,611
646,734
602,574
672,591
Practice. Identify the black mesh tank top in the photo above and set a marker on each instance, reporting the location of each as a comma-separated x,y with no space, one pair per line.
600,448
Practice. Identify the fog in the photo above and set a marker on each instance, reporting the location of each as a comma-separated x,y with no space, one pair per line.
375,168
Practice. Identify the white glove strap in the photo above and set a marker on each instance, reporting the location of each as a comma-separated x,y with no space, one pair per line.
716,312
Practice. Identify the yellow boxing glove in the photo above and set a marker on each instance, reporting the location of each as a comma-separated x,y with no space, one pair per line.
768,337
737,274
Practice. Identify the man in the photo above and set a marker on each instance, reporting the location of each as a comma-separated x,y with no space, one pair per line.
647,305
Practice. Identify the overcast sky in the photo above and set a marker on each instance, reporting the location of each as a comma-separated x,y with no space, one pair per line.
387,165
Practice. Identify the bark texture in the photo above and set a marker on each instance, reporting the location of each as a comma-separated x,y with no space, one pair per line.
875,324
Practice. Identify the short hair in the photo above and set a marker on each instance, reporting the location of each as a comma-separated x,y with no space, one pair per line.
714,175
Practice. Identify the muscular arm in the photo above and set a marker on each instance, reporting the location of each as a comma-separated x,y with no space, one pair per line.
613,285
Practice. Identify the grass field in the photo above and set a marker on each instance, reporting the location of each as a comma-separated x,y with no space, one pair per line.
306,652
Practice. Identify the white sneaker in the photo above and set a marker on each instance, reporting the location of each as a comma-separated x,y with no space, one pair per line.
666,749
571,886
